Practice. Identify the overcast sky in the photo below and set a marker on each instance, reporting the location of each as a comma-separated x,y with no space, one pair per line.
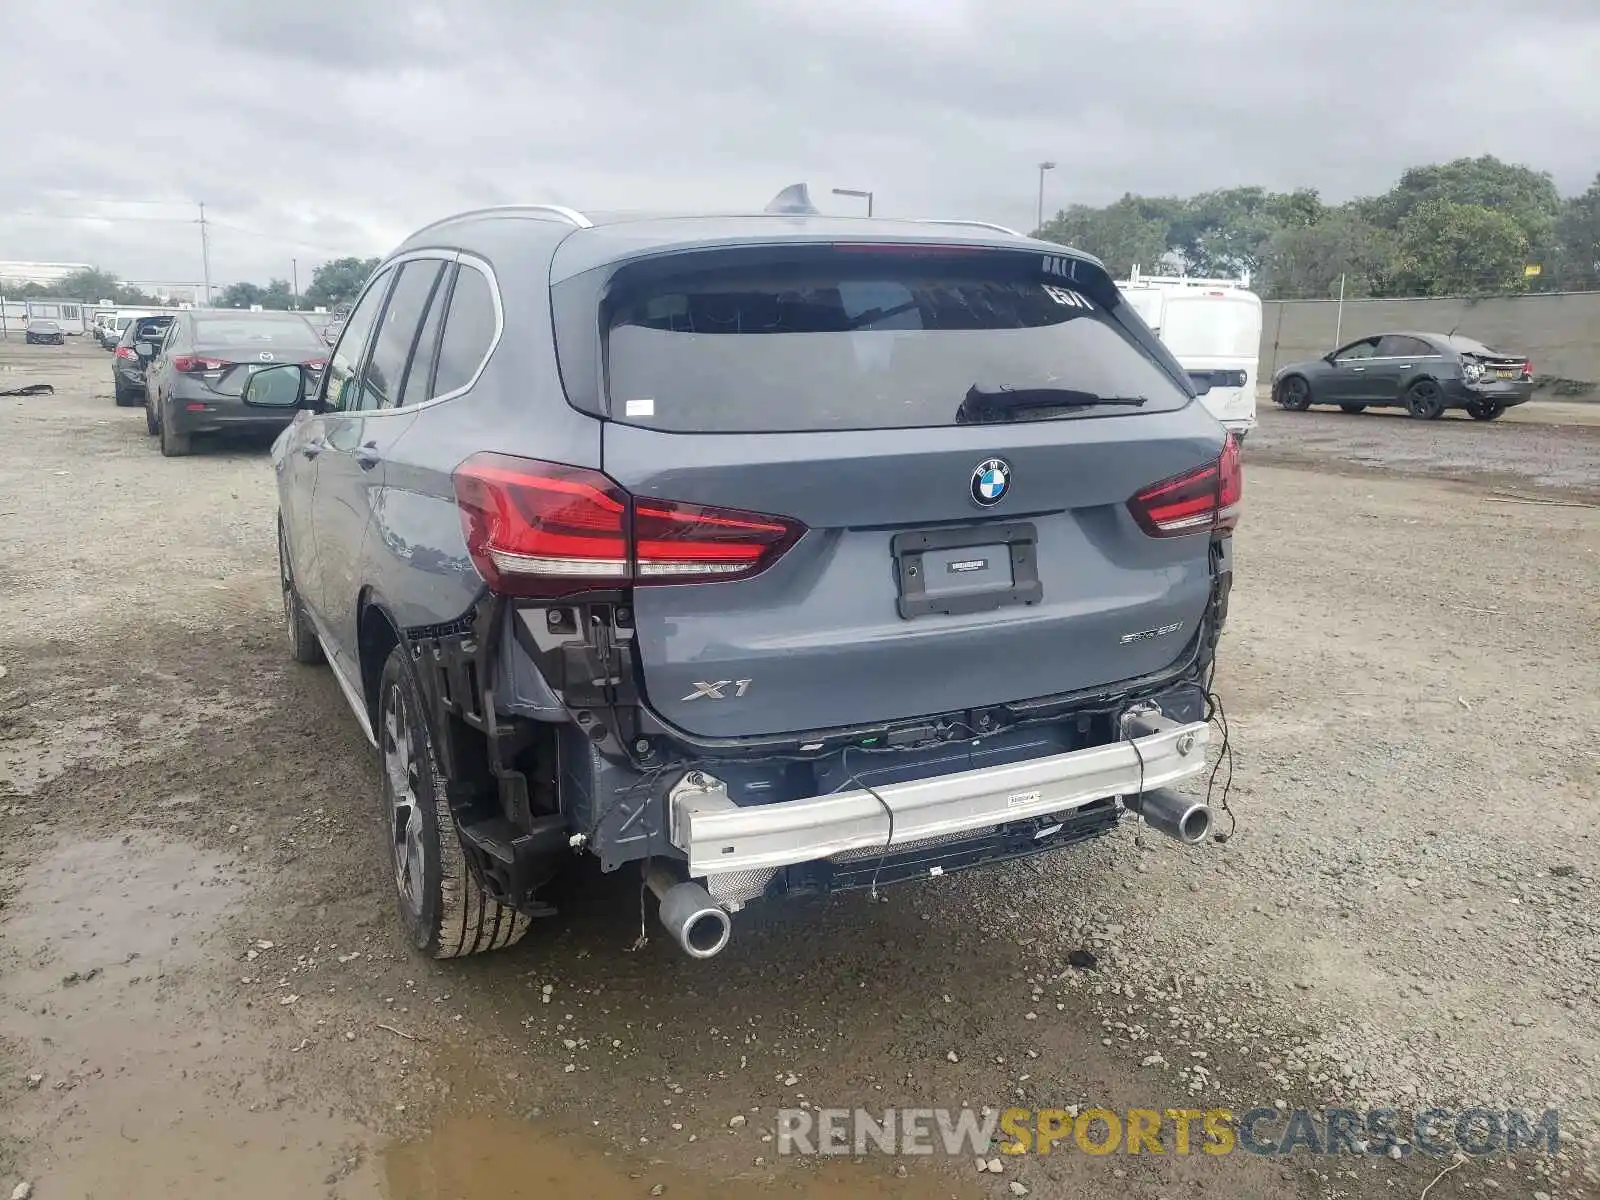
313,128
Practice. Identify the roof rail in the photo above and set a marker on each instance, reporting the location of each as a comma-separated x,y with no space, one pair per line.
567,214
570,215
978,224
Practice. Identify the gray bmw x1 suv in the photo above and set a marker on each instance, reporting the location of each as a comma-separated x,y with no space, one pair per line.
760,554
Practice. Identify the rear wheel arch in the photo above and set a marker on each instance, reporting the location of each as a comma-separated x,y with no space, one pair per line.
1410,381
377,633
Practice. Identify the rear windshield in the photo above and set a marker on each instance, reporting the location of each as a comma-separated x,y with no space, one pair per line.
287,330
1211,326
869,341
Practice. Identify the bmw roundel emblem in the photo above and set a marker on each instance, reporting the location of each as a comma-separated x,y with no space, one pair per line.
991,479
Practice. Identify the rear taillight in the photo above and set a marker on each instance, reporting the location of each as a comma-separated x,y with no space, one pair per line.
1200,501
126,352
314,364
1527,368
191,364
545,529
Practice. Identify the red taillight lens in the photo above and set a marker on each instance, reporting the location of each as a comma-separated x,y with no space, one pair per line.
190,364
674,542
126,352
545,529
1527,368
314,364
1202,501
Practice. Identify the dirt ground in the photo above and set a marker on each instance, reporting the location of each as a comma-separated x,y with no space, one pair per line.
202,989
1542,445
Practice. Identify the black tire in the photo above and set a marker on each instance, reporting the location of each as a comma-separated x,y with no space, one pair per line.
123,395
1294,394
173,443
444,911
1425,400
1486,411
1352,409
152,426
304,646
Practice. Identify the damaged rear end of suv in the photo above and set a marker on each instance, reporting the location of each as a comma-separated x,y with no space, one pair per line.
761,555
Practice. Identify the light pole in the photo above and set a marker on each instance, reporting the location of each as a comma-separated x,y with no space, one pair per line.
294,273
858,193
205,252
1043,167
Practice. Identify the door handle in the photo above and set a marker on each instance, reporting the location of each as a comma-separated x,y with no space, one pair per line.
1405,366
1358,368
313,448
368,456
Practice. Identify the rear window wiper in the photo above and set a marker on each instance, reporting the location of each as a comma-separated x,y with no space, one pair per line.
980,406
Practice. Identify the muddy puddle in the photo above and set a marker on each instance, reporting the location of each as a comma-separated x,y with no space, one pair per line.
130,1076
138,1080
492,1158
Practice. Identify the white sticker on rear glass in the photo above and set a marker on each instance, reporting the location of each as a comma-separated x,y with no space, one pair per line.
640,408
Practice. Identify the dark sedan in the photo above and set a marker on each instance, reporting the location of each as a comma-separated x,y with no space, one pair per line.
1426,373
45,333
127,368
194,379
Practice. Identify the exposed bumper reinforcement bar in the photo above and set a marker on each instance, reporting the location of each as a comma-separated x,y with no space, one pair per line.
719,836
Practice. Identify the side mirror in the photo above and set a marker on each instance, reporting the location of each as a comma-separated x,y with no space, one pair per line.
145,349
281,386
1331,357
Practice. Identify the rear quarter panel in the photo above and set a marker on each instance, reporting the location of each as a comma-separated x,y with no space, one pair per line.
415,555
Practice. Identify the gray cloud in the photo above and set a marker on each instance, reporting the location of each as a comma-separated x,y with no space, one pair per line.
312,127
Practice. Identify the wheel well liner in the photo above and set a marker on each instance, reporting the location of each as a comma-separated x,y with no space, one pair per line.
376,636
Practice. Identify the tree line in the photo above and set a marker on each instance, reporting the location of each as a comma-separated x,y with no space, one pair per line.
1474,226
332,284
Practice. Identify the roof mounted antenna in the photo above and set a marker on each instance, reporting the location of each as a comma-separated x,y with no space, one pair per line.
794,199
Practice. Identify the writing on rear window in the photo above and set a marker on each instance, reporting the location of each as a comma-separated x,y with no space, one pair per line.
1055,264
868,341
1067,296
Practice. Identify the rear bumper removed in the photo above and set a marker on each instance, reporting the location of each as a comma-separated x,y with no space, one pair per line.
737,849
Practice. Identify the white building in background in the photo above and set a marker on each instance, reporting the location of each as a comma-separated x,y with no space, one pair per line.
19,274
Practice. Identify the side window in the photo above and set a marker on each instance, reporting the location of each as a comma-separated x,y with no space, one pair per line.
397,333
469,331
340,387
1395,345
69,311
173,338
1366,349
420,373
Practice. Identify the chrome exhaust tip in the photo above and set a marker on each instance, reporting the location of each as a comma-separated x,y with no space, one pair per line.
1180,817
700,926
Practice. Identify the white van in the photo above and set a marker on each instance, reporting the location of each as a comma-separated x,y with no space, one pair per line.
1213,328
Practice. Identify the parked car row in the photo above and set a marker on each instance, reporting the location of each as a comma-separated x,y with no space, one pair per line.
190,368
1426,373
